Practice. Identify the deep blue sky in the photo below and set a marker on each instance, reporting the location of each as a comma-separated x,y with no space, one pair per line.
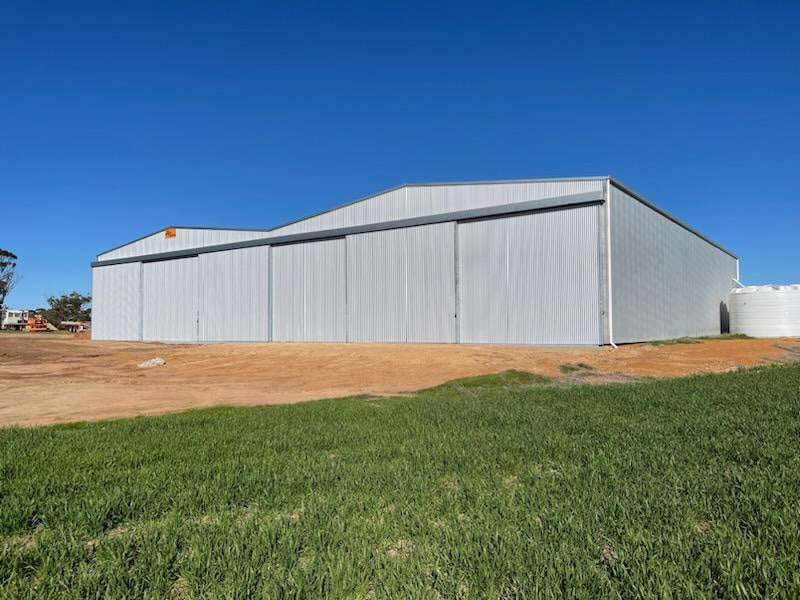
117,119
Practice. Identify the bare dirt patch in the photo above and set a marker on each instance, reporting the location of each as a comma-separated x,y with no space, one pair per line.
400,548
50,379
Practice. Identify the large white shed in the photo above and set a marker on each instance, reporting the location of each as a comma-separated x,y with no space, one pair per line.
551,261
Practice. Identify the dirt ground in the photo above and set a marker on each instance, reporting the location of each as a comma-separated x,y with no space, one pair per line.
51,378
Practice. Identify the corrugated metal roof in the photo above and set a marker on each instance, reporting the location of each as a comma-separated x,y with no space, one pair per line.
351,202
544,204
612,180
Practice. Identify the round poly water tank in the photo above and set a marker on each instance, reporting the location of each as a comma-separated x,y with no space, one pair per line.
765,310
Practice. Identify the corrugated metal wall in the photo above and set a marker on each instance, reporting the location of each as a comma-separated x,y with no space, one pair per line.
531,279
233,290
376,286
288,293
423,200
401,285
553,278
326,291
184,238
431,283
170,300
666,281
483,281
309,292
116,302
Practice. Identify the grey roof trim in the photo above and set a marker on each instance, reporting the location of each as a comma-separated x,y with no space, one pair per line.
140,238
622,187
476,213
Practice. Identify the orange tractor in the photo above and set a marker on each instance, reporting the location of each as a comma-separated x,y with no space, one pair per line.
37,323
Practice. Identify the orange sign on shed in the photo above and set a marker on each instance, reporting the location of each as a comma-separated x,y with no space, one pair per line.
168,233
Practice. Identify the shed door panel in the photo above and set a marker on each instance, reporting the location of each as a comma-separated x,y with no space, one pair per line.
309,292
169,300
234,295
376,286
116,302
287,293
483,285
431,283
325,291
553,278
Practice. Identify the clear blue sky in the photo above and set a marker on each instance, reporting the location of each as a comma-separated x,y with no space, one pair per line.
117,118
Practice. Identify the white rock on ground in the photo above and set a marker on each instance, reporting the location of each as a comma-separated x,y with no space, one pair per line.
153,362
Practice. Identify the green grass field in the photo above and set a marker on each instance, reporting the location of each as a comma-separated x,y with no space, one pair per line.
497,487
702,338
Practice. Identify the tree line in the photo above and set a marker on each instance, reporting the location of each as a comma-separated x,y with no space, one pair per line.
67,307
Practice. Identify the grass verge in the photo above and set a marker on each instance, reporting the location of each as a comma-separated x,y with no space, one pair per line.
698,340
492,487
569,368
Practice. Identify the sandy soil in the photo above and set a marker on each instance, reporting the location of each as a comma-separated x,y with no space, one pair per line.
50,378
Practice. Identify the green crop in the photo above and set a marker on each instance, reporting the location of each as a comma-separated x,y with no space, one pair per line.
497,487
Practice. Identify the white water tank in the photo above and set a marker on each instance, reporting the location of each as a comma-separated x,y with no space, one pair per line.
765,310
